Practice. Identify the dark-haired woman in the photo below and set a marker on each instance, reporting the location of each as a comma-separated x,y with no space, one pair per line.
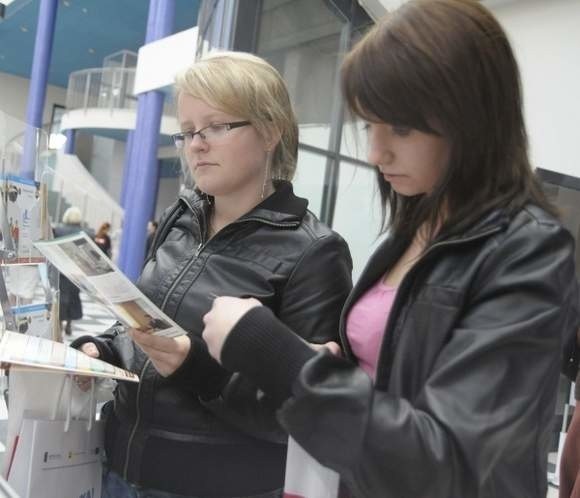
452,335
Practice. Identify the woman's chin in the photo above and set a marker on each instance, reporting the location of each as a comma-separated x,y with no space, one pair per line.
210,189
205,185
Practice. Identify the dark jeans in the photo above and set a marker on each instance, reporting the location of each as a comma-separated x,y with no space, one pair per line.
114,486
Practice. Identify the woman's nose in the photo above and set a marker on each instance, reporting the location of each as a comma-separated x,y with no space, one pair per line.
197,143
379,153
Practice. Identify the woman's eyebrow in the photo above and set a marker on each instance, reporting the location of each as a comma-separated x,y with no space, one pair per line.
188,125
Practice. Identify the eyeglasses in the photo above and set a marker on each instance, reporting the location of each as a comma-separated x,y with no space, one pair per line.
207,134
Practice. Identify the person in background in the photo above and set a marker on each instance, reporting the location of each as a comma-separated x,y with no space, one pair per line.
102,238
70,305
569,482
190,427
453,333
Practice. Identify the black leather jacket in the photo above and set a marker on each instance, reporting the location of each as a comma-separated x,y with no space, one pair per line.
203,431
467,375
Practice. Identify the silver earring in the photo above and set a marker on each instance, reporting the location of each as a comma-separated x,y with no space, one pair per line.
266,173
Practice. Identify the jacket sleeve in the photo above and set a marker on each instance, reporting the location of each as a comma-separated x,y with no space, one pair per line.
317,289
490,393
310,305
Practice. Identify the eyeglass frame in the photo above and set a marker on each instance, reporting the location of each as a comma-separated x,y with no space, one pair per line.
183,135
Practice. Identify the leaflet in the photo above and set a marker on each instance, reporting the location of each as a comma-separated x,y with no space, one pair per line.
36,352
33,319
22,223
83,263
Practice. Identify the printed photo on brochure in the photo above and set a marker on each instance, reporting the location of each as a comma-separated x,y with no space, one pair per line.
83,263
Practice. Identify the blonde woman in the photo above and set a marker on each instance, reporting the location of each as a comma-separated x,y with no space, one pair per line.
192,428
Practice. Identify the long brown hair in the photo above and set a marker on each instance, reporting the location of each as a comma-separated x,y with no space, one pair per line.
446,67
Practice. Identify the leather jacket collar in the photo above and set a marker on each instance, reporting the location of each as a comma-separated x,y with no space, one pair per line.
282,207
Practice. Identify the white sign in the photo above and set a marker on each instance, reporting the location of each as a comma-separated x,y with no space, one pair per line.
160,61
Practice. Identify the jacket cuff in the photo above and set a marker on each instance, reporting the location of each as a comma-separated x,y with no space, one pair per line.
266,351
200,372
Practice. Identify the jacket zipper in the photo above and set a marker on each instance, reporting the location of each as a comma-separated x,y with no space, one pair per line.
198,251
132,436
170,220
161,234
393,317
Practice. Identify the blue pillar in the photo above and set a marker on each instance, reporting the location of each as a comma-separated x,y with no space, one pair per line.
126,168
38,82
69,145
142,182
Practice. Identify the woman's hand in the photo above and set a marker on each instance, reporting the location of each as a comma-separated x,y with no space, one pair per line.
166,353
332,346
220,320
84,383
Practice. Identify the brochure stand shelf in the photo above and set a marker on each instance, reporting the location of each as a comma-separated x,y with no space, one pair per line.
30,332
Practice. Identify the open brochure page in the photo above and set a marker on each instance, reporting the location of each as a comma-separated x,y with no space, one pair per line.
81,261
35,352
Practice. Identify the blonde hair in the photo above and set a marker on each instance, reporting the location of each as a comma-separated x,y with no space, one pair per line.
245,85
72,216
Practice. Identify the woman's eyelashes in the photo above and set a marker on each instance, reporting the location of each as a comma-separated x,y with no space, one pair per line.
401,130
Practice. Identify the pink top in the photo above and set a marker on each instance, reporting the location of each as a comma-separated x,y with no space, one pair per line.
366,323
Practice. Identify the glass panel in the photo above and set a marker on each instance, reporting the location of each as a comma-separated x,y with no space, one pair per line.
354,138
28,289
567,200
357,215
55,138
301,39
309,179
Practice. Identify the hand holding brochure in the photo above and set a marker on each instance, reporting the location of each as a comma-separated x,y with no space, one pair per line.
79,259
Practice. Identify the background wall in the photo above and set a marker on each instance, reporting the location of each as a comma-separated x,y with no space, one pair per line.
14,96
546,38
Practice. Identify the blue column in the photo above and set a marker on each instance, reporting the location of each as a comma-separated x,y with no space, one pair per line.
38,82
126,168
69,145
143,177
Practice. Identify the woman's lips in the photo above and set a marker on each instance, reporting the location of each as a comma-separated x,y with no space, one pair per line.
203,164
389,176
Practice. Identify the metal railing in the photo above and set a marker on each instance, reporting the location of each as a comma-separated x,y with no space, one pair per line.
105,88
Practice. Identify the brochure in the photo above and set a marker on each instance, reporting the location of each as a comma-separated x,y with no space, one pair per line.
39,353
79,259
22,204
33,319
